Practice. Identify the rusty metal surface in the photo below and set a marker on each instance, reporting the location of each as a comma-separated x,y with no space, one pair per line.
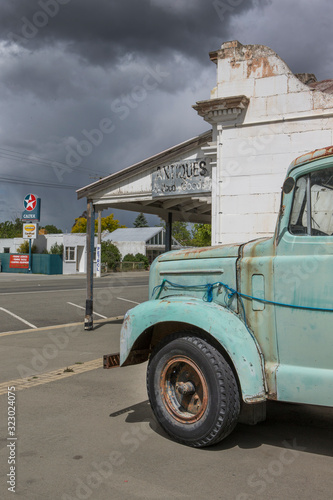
311,156
257,260
137,356
111,360
218,252
184,389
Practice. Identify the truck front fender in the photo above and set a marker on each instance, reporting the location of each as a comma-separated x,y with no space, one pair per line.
219,322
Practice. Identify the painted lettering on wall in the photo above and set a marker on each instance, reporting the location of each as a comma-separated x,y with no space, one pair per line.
188,177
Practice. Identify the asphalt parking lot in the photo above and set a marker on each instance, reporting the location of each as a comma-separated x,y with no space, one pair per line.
82,432
35,301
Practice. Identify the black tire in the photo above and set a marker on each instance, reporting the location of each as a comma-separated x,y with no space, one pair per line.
192,390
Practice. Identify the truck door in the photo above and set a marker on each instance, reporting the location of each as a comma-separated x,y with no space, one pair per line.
303,276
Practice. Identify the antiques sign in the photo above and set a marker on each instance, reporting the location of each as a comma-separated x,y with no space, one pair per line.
188,177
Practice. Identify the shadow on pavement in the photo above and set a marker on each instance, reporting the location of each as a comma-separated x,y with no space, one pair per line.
299,427
112,322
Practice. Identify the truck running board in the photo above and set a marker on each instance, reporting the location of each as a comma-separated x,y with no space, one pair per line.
111,360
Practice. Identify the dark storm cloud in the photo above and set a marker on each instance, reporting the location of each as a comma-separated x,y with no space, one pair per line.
103,31
67,65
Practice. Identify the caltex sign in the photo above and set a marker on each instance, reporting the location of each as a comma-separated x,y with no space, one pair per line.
31,205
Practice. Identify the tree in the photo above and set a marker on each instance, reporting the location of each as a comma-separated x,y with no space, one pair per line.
108,224
24,248
51,229
201,235
140,221
129,257
57,249
180,232
11,229
110,254
80,225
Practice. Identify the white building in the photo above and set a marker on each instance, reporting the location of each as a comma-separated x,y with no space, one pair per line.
149,241
42,242
262,116
74,255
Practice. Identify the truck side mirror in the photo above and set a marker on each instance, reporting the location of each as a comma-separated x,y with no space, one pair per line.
288,185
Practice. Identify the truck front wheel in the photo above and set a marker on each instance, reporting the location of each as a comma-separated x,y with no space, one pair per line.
192,390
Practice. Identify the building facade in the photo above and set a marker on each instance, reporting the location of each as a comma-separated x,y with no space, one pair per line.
149,241
261,117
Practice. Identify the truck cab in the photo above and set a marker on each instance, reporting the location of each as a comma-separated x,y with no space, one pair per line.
227,328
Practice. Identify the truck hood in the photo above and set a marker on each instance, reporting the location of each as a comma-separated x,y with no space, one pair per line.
219,252
187,272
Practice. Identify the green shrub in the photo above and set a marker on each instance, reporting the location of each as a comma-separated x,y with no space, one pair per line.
129,258
110,255
138,257
24,248
57,249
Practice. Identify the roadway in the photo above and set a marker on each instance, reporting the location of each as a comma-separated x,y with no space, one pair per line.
35,301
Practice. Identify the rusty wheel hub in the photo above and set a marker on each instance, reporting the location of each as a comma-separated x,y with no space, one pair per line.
184,389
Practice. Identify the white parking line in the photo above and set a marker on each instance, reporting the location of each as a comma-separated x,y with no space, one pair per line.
126,300
70,290
18,317
80,307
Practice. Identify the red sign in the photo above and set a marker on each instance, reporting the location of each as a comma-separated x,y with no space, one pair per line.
30,202
19,261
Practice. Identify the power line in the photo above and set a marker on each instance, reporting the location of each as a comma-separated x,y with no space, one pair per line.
38,160
28,182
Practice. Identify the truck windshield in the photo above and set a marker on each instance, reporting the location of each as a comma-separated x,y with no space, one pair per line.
314,190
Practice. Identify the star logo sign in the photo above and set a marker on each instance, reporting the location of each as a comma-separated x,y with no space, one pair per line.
30,202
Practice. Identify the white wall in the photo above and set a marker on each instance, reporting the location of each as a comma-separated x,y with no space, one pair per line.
43,242
133,247
283,120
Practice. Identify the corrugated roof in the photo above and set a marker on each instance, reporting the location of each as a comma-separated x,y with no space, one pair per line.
133,234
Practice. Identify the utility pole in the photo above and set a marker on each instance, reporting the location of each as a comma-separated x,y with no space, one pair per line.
88,320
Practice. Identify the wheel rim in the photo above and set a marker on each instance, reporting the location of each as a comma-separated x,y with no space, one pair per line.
184,389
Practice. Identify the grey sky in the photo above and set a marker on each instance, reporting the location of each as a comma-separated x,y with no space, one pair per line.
130,68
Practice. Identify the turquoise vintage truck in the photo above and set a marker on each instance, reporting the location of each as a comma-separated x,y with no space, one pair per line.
227,328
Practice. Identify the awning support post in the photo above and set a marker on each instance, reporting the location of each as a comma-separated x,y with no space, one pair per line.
99,230
88,320
168,232
99,242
